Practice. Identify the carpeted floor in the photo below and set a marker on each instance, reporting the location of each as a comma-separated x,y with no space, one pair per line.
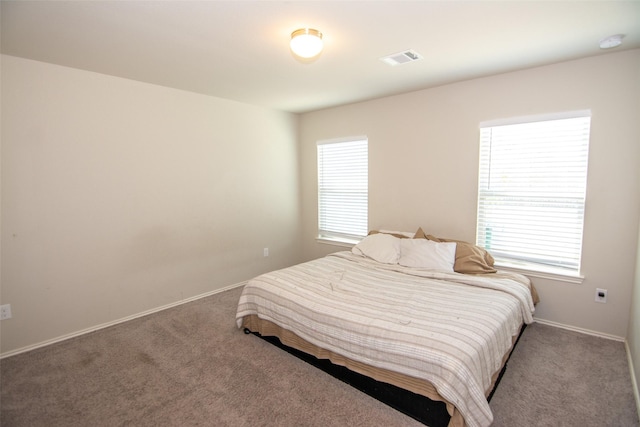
190,366
564,378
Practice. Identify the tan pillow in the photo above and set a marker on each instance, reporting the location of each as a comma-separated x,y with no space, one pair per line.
470,259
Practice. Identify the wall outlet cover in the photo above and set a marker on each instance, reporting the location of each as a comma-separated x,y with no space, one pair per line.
5,311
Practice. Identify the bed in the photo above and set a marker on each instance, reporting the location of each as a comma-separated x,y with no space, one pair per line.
400,312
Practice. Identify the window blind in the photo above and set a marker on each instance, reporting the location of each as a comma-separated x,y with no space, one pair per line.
531,194
343,189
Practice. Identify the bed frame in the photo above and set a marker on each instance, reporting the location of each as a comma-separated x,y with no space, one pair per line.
427,411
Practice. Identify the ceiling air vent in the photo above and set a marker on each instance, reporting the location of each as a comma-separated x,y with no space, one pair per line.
401,57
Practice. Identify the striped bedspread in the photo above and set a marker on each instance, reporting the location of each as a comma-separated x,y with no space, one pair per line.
447,328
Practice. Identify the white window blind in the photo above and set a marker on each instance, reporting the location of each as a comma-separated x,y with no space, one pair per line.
532,187
343,189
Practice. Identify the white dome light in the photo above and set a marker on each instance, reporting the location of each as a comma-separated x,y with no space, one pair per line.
611,41
306,42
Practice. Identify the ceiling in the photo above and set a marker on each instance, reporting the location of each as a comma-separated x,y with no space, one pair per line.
239,49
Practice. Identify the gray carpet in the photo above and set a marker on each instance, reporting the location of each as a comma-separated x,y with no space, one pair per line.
190,366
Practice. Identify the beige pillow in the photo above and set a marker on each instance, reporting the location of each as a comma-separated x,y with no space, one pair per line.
470,259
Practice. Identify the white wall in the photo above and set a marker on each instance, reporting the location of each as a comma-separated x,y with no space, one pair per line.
423,166
120,196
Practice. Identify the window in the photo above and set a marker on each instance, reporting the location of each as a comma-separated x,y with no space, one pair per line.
343,189
531,193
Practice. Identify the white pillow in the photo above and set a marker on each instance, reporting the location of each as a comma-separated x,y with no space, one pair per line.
423,253
381,247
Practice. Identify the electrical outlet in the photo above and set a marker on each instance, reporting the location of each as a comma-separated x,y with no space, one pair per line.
601,295
265,252
5,311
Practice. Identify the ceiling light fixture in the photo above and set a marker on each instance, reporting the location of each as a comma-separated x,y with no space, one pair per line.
611,41
306,42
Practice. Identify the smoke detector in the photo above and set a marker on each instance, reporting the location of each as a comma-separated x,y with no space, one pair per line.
401,57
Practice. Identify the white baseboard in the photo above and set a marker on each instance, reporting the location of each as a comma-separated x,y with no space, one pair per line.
581,330
115,322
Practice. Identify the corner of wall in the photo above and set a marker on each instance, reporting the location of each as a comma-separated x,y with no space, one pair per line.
632,344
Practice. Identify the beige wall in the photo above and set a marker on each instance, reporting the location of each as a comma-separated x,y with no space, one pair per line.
119,197
423,165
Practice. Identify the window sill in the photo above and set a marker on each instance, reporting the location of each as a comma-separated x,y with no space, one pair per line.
543,272
337,241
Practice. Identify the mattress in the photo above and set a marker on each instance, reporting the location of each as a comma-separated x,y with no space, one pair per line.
442,335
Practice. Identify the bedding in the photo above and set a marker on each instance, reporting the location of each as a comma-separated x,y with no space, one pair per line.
442,329
423,253
470,259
